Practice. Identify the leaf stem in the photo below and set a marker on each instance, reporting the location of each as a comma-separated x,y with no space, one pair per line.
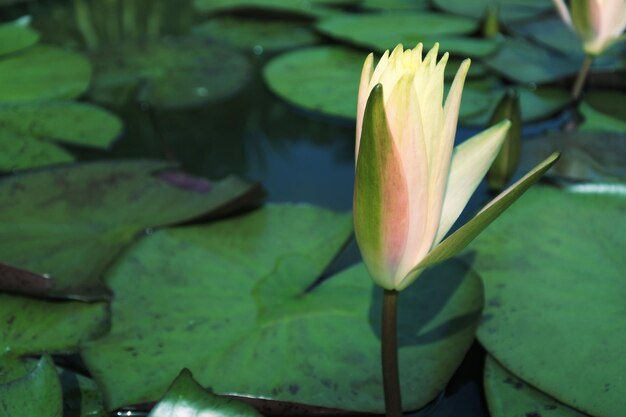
389,355
582,76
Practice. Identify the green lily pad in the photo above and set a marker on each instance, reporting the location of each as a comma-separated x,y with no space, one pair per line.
552,33
167,74
553,271
43,73
586,156
317,346
185,395
18,151
603,111
309,8
257,35
509,396
509,9
408,29
68,122
15,37
394,5
322,79
536,104
34,326
522,62
22,127
37,394
71,222
597,121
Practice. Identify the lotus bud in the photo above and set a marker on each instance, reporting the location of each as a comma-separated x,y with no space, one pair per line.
411,183
598,23
506,161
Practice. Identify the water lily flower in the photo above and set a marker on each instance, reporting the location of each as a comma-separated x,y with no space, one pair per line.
411,183
598,23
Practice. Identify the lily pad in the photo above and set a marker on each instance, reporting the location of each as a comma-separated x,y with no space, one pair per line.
395,5
309,8
186,396
37,394
544,289
523,62
408,29
43,73
536,104
321,79
81,395
255,34
22,127
166,74
509,9
586,156
15,37
33,326
71,222
597,121
316,345
603,111
509,396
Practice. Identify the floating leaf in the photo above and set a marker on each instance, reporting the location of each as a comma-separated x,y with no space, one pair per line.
509,396
322,79
585,156
508,9
68,122
597,121
257,35
408,29
604,111
186,396
309,8
43,73
70,223
557,253
33,326
14,37
169,73
37,394
81,396
18,151
523,62
319,346
395,5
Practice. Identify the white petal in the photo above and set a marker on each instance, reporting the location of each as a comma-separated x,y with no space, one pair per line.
470,162
561,7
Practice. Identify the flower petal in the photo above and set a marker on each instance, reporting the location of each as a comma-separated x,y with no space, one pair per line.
458,240
380,195
364,92
405,124
561,7
470,162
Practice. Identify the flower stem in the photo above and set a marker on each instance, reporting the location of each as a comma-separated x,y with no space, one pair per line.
582,76
389,355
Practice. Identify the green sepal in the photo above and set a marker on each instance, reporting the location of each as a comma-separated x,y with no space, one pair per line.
506,161
581,17
458,240
186,397
491,21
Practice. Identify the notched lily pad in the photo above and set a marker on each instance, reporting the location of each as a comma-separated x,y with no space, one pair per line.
320,346
70,223
557,252
43,73
509,10
166,74
309,8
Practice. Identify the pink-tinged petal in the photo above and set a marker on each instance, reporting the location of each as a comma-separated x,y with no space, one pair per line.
364,92
441,154
561,7
470,162
381,214
405,124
